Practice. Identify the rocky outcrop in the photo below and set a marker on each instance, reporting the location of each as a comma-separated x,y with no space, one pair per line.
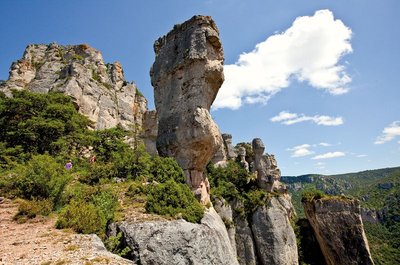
268,173
338,227
230,151
242,156
369,215
245,245
180,242
274,236
186,76
99,90
269,237
224,210
149,132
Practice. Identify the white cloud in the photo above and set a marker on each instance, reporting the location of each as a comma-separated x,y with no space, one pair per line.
320,164
325,144
309,51
362,155
389,133
287,118
329,155
301,150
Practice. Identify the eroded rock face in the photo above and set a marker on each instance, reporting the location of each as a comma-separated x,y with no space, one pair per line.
273,234
149,132
268,173
99,90
245,245
186,76
339,230
180,242
224,210
242,155
230,151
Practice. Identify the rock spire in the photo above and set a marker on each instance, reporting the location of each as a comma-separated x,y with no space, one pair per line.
186,76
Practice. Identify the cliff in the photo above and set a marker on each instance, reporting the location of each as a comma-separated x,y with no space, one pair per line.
338,227
99,90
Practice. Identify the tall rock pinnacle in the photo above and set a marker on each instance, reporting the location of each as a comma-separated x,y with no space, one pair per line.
186,76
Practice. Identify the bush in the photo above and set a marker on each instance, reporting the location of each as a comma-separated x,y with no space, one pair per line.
174,199
89,210
166,168
309,196
82,217
41,178
30,209
117,245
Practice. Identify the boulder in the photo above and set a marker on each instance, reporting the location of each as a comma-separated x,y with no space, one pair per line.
179,242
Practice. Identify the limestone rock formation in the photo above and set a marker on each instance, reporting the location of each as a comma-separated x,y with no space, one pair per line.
230,151
268,173
180,242
242,156
149,132
338,227
224,210
99,90
186,76
245,245
273,234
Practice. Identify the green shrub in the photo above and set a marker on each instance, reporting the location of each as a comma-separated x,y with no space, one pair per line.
310,195
117,245
174,199
41,178
255,198
89,210
82,217
30,209
166,168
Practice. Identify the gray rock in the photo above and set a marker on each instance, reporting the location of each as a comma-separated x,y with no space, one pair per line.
385,186
150,130
242,156
369,215
230,151
99,90
268,173
245,245
274,236
224,210
338,227
186,76
180,242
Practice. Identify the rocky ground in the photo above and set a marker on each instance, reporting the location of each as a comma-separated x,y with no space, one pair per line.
38,242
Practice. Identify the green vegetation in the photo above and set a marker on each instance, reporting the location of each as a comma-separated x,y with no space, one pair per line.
235,183
384,244
116,245
174,199
41,132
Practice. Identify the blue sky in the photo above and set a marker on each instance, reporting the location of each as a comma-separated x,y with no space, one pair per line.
323,93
